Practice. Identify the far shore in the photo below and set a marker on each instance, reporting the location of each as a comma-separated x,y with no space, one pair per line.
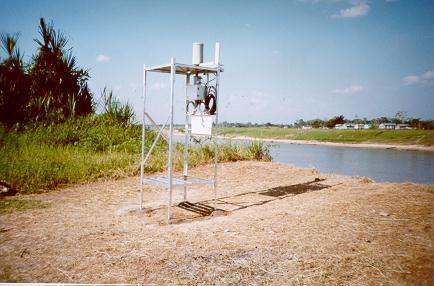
335,144
401,147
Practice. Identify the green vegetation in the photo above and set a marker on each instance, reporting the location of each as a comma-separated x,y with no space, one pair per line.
50,87
419,137
114,110
10,205
259,151
87,149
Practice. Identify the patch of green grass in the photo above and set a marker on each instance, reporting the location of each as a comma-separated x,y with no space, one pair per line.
259,151
418,137
6,274
44,157
11,205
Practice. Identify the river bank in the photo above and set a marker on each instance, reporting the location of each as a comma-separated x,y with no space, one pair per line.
276,225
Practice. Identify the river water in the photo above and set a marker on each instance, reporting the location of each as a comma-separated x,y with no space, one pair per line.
381,165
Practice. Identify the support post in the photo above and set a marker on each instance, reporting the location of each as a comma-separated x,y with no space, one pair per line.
170,163
142,164
216,133
186,127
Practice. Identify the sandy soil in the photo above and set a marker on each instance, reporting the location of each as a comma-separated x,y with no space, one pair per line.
338,231
356,145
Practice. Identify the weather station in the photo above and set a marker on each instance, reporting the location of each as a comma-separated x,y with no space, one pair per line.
202,81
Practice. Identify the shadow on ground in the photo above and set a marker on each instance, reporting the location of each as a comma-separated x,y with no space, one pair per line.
228,204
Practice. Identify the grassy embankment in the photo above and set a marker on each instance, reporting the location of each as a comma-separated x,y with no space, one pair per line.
403,137
85,150
10,205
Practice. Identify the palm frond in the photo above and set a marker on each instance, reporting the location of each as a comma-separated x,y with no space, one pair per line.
45,32
58,42
71,62
9,42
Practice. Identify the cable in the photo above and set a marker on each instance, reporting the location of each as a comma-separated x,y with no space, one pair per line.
211,93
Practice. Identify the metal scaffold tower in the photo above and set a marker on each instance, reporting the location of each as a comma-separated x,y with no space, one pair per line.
201,120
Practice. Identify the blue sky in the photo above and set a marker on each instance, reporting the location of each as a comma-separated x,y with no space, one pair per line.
284,60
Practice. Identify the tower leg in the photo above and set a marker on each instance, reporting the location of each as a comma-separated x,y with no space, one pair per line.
170,159
142,164
187,82
216,132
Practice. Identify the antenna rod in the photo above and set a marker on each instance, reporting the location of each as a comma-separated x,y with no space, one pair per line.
217,54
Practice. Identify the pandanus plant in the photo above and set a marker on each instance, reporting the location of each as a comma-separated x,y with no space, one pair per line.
55,75
50,88
14,81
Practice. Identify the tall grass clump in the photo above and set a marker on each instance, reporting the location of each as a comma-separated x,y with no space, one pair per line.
227,152
44,157
114,109
259,151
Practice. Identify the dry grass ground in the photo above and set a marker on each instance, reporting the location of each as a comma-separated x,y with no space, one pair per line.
353,232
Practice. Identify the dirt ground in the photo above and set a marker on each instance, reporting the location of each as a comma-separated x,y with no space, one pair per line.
277,225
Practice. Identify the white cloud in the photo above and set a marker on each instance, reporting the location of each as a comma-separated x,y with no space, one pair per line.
358,9
410,79
350,89
102,58
425,78
428,75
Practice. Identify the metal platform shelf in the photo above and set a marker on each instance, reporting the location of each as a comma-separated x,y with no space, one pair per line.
163,181
185,69
201,120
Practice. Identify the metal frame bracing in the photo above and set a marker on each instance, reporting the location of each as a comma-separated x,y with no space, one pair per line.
169,181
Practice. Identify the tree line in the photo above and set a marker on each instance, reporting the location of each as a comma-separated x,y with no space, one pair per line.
400,118
374,122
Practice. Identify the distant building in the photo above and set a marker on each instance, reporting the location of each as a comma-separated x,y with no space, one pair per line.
391,126
394,126
341,126
403,126
306,127
362,126
346,126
